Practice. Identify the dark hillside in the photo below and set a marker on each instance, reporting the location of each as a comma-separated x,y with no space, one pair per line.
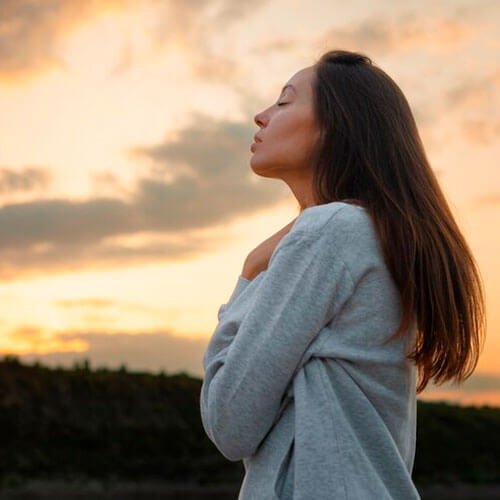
60,423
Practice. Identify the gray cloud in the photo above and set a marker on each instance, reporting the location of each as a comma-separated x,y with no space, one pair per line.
149,351
191,26
236,10
198,179
406,28
26,179
471,91
476,383
31,32
379,34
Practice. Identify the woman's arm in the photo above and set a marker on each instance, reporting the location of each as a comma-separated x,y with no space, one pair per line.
249,366
241,284
256,262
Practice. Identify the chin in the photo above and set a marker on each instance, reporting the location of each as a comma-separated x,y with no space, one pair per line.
258,167
261,171
263,167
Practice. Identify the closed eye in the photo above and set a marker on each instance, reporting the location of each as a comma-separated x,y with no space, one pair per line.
282,103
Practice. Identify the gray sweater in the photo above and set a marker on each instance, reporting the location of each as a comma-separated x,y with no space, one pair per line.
298,383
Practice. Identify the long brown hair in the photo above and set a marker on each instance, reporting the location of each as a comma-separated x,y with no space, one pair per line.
370,153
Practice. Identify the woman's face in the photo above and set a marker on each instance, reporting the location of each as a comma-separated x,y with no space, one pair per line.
287,130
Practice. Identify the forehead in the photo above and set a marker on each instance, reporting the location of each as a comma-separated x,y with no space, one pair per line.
302,79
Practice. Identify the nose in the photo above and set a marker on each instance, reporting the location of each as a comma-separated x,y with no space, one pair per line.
259,119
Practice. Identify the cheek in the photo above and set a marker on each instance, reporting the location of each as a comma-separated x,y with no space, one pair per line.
296,134
287,142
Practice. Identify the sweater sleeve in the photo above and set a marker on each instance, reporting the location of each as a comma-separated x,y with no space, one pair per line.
241,284
249,365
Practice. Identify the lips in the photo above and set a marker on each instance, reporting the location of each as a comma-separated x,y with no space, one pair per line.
257,138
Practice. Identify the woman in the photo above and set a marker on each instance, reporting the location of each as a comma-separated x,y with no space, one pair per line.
310,375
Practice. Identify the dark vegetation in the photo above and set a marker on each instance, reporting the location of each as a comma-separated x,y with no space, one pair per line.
61,423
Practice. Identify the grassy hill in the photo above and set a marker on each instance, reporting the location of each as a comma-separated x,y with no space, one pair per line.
67,423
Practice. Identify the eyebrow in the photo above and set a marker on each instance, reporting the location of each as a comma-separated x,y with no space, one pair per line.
288,85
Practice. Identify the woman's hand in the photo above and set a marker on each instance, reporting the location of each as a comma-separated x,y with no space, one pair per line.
258,259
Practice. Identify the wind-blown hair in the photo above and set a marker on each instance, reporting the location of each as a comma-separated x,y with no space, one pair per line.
370,153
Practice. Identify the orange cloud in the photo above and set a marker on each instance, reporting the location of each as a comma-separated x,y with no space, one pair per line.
31,30
30,33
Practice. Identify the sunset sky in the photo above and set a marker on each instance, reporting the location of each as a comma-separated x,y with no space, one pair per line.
128,204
